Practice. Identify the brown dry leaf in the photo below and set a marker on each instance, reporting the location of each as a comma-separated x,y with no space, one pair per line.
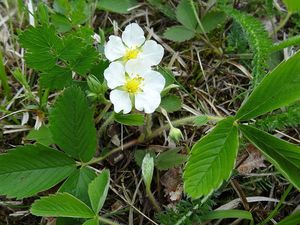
254,160
172,181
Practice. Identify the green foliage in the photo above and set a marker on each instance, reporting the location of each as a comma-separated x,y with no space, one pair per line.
98,189
201,120
292,5
223,214
291,219
211,160
258,40
147,170
72,125
171,103
77,184
178,33
280,88
92,222
3,78
164,7
288,117
61,205
185,15
211,20
130,119
42,136
56,57
283,155
286,43
237,39
30,169
116,6
169,159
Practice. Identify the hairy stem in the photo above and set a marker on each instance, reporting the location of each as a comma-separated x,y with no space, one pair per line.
153,200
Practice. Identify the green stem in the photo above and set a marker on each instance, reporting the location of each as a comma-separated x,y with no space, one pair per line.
153,200
107,221
275,211
154,134
101,115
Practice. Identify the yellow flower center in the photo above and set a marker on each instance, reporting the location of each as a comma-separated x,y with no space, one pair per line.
132,86
131,53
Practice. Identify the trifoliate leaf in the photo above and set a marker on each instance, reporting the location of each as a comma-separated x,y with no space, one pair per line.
30,169
61,205
72,125
98,189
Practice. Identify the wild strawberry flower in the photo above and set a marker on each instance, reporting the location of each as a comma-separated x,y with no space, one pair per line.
133,46
133,85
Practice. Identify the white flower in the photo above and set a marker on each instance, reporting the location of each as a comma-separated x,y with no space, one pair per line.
134,85
133,46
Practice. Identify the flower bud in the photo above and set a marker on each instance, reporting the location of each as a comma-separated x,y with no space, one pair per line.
175,134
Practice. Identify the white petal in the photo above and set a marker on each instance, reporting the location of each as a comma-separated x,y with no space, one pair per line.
115,75
147,101
133,35
152,53
153,80
121,101
135,66
114,48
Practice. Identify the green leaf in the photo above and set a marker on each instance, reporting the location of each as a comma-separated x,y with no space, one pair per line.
94,221
292,5
56,78
285,156
61,22
171,103
140,154
72,125
129,119
212,159
223,214
42,13
116,6
62,6
61,205
147,170
98,189
164,7
169,159
212,20
279,88
178,34
85,61
30,169
185,14
42,136
78,182
291,219
42,45
201,120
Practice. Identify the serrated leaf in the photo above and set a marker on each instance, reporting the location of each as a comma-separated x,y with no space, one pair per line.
42,136
116,6
185,14
78,182
92,222
85,61
169,159
292,5
212,20
279,88
171,103
178,34
147,170
211,160
72,125
129,119
61,205
61,22
42,46
98,189
56,78
30,169
283,155
42,13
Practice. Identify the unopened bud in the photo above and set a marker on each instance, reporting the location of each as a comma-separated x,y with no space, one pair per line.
175,134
